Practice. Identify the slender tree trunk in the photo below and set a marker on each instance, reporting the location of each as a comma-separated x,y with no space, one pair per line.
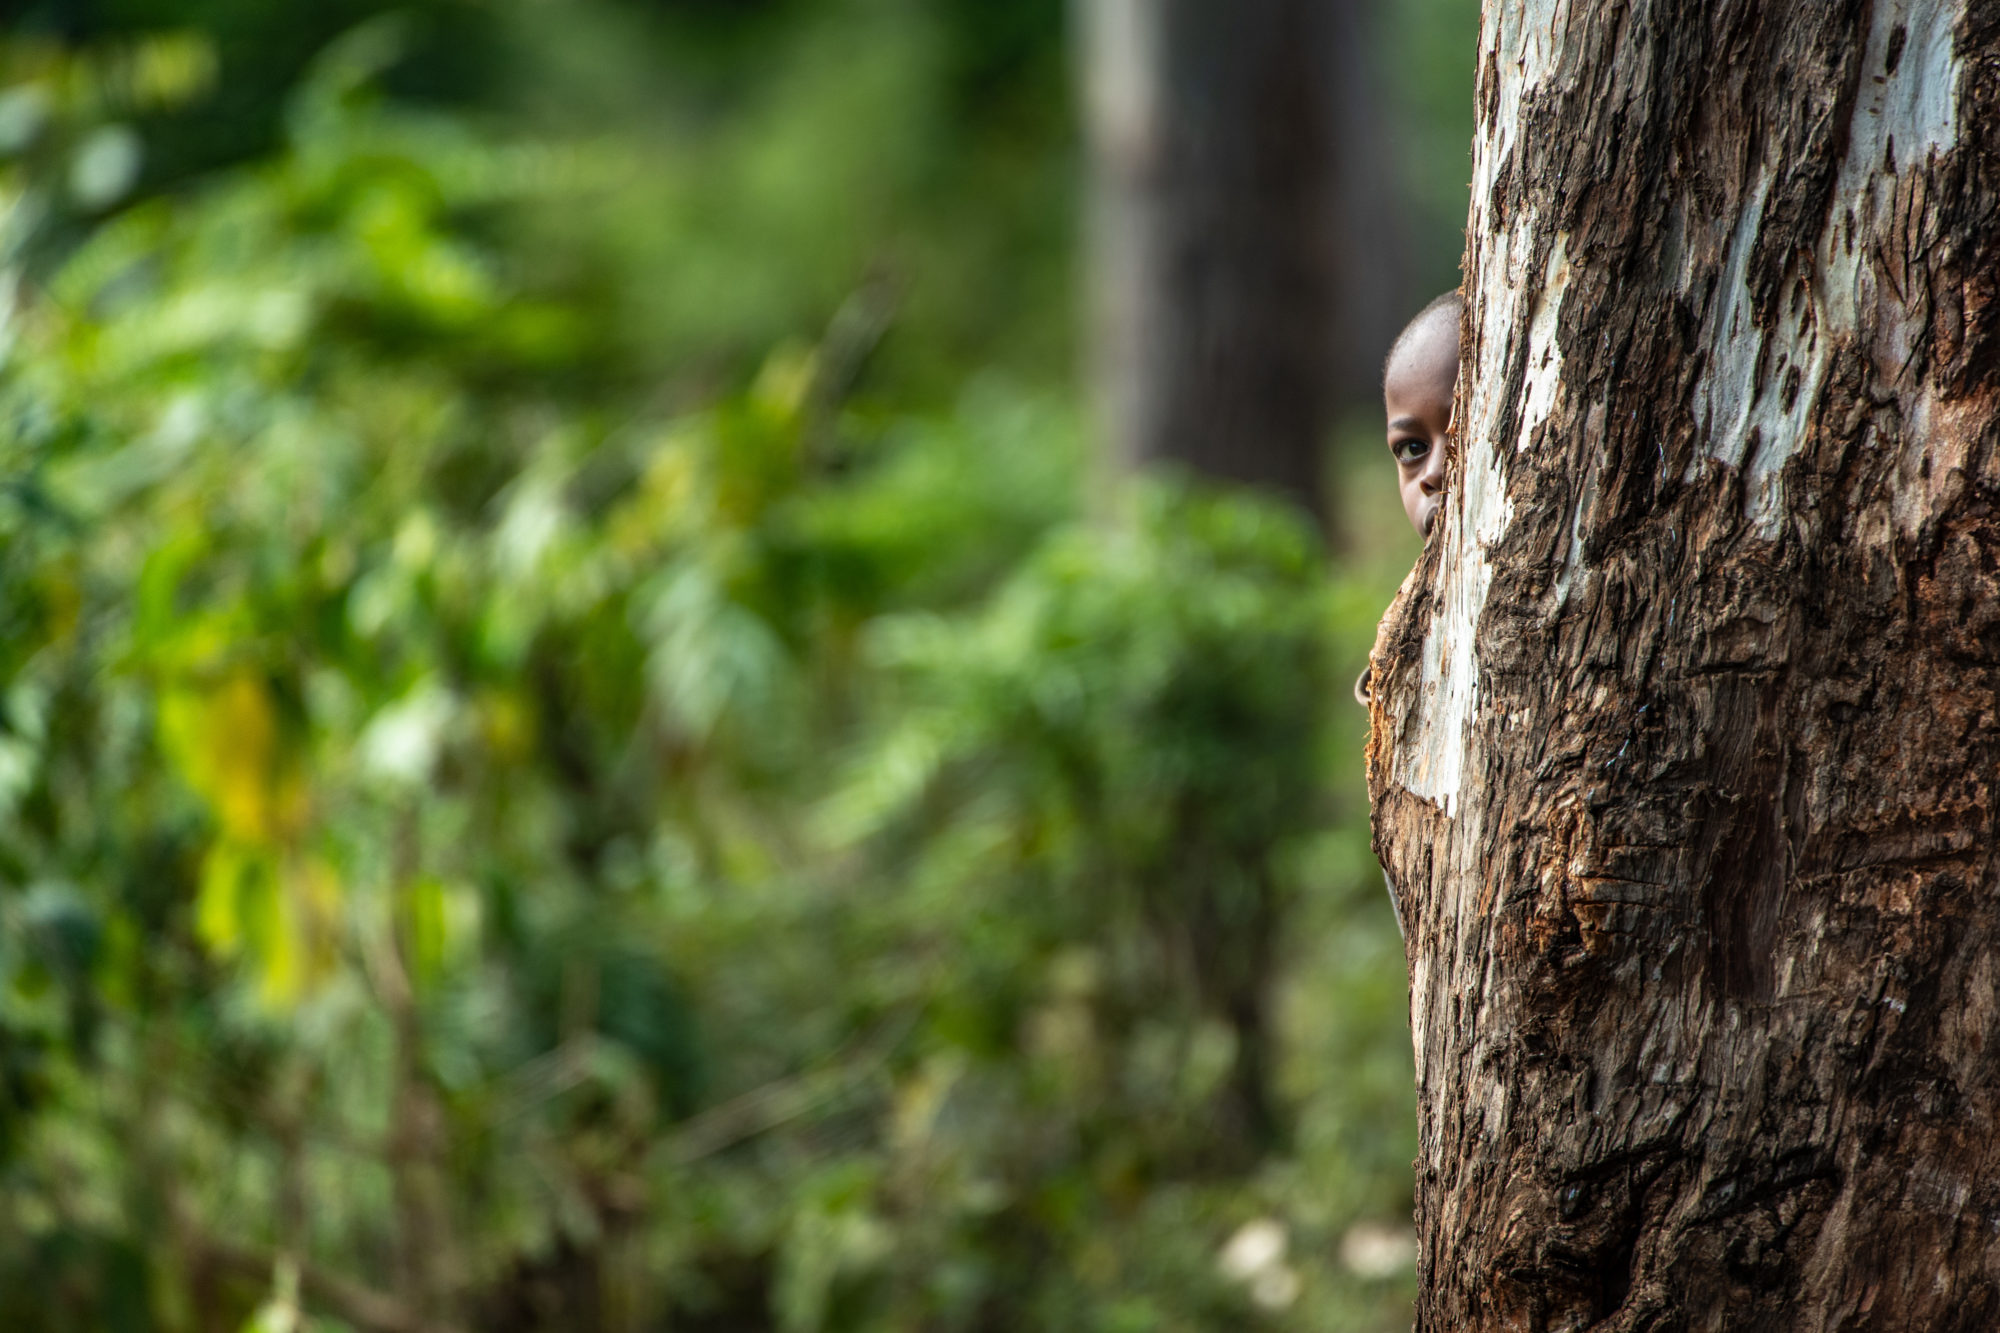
1216,225
1238,196
1375,230
1687,729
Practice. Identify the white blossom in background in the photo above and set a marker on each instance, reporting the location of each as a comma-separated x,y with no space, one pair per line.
1255,1256
401,743
1378,1249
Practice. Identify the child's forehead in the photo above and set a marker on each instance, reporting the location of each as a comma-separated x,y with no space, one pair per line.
1434,337
1425,361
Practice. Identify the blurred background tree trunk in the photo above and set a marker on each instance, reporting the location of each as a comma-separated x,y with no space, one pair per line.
1245,260
1247,275
1685,734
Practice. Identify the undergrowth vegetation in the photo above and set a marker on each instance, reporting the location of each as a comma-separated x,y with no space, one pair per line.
490,844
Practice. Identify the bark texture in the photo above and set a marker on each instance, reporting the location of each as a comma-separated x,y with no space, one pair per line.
1236,202
1686,731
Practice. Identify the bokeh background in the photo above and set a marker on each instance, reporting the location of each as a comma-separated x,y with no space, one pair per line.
593,734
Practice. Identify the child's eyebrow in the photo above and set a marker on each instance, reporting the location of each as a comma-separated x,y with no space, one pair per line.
1406,423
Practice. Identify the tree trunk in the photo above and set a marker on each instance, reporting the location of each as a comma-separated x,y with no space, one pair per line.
1687,724
1217,135
1246,274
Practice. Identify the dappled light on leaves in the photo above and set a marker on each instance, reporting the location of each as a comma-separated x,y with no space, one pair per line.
579,751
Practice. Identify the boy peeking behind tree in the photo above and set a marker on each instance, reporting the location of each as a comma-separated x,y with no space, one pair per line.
1419,379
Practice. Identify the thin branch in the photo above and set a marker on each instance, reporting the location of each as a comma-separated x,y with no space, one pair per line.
782,1101
355,1302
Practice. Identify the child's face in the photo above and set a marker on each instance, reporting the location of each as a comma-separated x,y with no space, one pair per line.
1416,391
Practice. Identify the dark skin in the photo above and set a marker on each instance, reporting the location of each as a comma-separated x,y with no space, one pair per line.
1418,386
1417,389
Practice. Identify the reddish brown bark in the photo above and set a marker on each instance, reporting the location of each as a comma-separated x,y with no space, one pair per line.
1686,733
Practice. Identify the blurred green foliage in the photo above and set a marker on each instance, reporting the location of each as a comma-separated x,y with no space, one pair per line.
581,745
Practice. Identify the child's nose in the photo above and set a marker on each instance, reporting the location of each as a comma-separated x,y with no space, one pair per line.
1432,479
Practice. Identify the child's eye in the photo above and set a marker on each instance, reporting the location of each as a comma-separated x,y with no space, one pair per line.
1410,448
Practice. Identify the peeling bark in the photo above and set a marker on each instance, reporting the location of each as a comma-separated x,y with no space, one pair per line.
1686,728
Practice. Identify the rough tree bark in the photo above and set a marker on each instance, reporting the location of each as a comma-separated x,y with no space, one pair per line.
1687,726
1244,248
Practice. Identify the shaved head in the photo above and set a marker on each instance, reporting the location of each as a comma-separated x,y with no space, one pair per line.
1441,315
1419,381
